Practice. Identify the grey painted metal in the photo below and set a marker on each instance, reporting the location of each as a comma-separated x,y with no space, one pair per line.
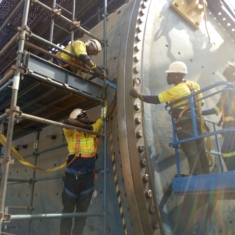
7,154
63,78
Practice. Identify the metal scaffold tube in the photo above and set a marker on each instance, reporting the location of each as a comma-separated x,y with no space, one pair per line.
53,216
15,88
35,153
67,20
105,122
9,44
49,122
7,77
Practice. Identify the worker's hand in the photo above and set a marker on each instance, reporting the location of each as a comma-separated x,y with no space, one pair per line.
99,72
134,93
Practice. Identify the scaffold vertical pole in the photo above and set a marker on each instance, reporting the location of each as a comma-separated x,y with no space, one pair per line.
14,98
35,153
105,122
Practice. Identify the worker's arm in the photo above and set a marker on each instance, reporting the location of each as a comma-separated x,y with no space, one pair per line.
74,122
151,99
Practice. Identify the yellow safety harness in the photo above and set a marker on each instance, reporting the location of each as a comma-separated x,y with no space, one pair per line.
84,155
3,141
204,127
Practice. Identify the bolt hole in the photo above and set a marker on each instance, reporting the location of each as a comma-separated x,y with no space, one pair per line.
202,67
179,53
191,60
166,45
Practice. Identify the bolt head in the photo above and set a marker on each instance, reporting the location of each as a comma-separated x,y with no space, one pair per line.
138,120
149,193
137,106
143,163
141,149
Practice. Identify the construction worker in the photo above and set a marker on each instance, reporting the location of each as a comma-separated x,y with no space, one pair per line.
194,150
79,173
82,51
226,105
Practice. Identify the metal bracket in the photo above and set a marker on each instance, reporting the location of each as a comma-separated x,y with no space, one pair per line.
5,160
18,68
191,10
56,12
15,109
5,217
75,25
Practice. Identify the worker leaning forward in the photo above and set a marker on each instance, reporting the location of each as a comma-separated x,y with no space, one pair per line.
82,51
79,173
194,150
226,105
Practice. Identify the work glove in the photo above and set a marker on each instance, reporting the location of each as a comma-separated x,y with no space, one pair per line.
99,72
134,93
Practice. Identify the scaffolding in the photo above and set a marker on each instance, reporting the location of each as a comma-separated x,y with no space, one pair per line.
26,64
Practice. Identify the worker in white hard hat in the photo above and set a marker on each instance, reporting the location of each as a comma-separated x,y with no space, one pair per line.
82,51
226,106
80,171
194,150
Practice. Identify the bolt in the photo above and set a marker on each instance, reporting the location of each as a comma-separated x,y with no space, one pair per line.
146,178
136,59
138,120
139,29
149,193
143,163
141,12
176,4
143,5
137,49
137,38
141,149
139,133
140,21
155,225
137,106
136,70
152,209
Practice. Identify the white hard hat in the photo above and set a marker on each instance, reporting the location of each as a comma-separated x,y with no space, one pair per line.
75,113
177,67
97,44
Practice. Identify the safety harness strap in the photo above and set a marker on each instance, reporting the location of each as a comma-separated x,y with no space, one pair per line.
77,148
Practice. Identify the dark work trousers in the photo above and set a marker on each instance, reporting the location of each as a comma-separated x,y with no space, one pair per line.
194,150
228,146
79,186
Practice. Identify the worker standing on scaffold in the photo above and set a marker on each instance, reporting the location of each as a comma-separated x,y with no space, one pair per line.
79,173
226,105
82,51
194,150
